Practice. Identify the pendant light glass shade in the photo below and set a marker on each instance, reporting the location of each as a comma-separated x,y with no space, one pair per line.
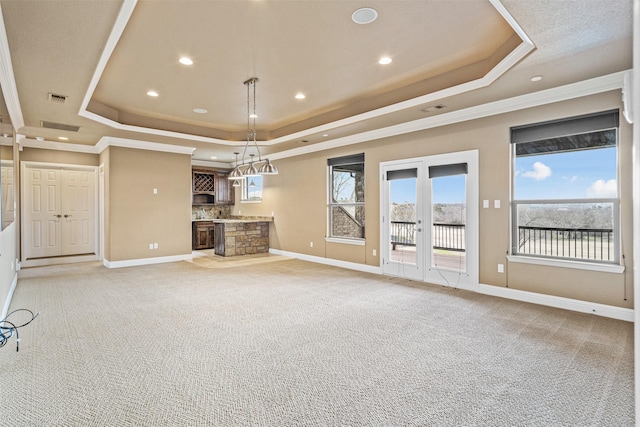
236,183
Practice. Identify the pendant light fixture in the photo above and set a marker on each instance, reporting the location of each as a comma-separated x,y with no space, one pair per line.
265,167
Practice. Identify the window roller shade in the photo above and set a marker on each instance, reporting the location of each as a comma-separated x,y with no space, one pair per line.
447,170
577,133
346,160
402,174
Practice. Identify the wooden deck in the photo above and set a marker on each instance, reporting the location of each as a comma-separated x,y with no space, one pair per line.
450,260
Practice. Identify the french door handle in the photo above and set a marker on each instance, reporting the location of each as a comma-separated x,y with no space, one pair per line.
58,216
67,216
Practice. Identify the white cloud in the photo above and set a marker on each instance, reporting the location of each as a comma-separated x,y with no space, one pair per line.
540,172
602,188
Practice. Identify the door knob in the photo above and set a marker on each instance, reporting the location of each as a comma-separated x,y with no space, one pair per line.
67,216
58,216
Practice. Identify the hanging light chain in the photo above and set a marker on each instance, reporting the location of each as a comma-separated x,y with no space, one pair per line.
267,168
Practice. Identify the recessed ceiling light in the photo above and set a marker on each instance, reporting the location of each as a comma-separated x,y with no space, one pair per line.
185,61
364,15
213,157
325,135
199,110
536,78
152,93
300,96
63,138
39,138
253,116
384,60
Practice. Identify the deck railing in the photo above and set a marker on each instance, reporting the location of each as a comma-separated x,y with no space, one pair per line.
580,243
445,236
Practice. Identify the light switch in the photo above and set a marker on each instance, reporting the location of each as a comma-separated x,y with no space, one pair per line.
155,191
496,204
485,204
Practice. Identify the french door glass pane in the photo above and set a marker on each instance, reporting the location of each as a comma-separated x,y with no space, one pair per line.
402,212
448,213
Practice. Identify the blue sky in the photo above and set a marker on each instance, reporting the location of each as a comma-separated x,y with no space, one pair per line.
450,189
570,175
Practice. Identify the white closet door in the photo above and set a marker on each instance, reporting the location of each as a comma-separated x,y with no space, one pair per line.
42,215
59,215
78,212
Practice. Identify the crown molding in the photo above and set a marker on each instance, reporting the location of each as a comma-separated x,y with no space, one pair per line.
127,9
110,141
208,164
105,142
57,146
7,79
593,86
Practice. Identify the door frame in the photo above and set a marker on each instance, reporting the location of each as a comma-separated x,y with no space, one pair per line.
396,268
24,165
471,157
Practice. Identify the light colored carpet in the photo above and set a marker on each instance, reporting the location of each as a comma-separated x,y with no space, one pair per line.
293,343
208,259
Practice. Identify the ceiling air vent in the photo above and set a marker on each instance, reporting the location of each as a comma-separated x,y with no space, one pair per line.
60,99
59,126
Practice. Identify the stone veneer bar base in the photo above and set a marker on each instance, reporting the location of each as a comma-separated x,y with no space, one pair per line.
242,238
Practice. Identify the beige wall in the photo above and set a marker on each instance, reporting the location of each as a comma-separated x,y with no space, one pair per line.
298,198
8,256
8,243
136,216
6,152
57,156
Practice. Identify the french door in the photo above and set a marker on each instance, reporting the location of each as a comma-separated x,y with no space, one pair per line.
429,217
59,211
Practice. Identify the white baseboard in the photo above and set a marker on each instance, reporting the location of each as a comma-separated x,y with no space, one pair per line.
328,261
40,262
146,261
7,302
604,310
620,313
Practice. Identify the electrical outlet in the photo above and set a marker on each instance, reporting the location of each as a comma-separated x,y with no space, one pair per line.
500,268
310,244
374,252
155,191
155,246
150,245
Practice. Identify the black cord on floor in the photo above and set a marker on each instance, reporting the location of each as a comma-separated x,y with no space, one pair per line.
8,329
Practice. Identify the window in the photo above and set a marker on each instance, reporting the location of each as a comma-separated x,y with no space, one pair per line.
565,193
346,197
252,189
